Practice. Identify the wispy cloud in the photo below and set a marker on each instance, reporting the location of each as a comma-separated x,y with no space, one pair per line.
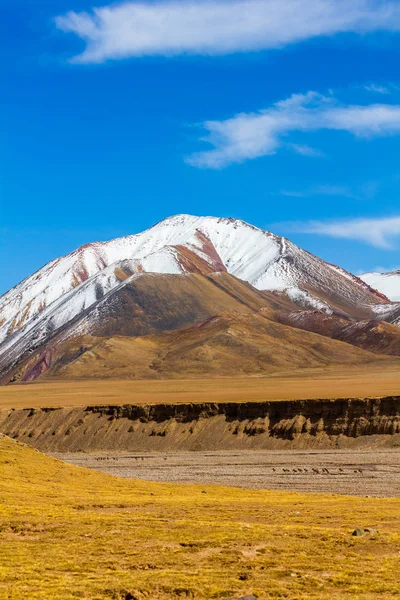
305,150
365,190
323,190
213,27
377,89
252,135
380,233
293,194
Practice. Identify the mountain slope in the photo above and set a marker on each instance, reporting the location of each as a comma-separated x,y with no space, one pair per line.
140,305
191,244
230,344
178,273
375,336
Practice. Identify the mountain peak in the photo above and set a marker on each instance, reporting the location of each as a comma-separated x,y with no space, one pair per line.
68,286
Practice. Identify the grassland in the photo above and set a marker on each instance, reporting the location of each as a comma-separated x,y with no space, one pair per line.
68,533
364,381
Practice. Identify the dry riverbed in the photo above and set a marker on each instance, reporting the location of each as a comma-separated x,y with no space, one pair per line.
360,473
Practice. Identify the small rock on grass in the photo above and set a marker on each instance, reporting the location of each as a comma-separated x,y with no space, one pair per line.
371,531
359,532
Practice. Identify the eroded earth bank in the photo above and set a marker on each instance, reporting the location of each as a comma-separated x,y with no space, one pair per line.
342,446
340,423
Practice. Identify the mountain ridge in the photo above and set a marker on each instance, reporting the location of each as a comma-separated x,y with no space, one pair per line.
67,272
388,283
99,287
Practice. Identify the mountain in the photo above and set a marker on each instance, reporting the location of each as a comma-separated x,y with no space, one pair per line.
387,283
227,344
176,274
141,304
375,336
188,244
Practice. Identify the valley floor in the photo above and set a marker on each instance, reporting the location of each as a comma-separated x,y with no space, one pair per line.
68,533
359,473
356,382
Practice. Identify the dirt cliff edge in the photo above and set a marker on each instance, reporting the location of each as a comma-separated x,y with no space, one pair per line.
208,426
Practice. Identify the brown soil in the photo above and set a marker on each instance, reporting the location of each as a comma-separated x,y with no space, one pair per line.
362,473
288,424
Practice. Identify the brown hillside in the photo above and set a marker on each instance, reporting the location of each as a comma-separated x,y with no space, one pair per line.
378,337
230,344
154,303
171,326
375,336
150,303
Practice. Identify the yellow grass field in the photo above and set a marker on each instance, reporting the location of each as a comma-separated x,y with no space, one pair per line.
324,383
68,533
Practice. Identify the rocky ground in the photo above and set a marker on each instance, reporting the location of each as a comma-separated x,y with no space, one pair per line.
359,473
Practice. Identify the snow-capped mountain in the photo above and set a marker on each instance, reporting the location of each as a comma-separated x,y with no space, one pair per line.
67,287
387,283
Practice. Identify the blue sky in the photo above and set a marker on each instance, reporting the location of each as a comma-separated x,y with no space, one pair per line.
103,119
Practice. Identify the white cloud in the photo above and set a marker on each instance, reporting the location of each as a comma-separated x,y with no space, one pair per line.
252,135
375,232
293,194
332,190
321,190
172,27
305,150
377,89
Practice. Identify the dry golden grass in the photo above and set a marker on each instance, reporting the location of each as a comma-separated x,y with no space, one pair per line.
69,533
365,381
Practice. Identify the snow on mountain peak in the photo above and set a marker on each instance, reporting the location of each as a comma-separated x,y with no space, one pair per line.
386,283
179,244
